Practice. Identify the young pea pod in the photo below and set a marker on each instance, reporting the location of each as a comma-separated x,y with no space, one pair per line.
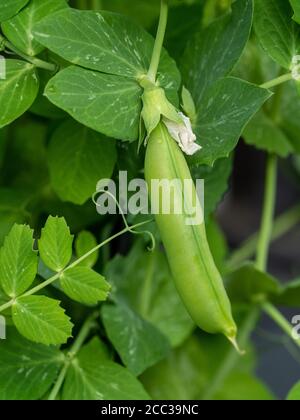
197,279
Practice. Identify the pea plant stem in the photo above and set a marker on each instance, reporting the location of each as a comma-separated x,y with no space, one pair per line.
278,81
145,299
78,343
74,264
282,225
6,305
83,334
33,60
58,384
163,20
280,320
265,234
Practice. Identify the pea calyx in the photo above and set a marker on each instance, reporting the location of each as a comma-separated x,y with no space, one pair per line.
157,108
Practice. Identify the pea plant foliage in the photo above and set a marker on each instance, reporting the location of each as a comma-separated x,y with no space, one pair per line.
106,307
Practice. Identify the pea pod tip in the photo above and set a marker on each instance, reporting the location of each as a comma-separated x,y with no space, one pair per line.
235,344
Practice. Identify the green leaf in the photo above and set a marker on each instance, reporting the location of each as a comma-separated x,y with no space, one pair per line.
25,163
84,285
17,91
248,284
216,181
222,115
294,394
42,106
3,297
108,104
104,41
95,350
289,120
296,6
78,217
143,280
182,376
255,65
84,243
18,261
10,8
289,295
42,320
183,22
280,134
263,133
190,370
276,31
13,204
27,370
244,387
55,245
88,379
213,51
18,29
133,338
81,157
3,145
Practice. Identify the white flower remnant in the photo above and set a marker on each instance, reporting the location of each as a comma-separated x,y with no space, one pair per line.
183,134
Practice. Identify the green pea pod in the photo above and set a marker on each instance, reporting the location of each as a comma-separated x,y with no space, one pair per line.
197,279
